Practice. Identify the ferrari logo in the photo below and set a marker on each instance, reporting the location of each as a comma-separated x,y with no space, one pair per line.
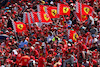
25,60
86,9
46,17
20,26
75,36
83,16
65,9
53,12
44,8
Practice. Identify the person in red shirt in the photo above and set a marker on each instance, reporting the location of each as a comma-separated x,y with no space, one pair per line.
42,61
24,60
80,64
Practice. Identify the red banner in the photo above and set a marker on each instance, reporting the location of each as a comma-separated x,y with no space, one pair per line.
44,17
73,35
19,26
52,11
42,8
87,10
63,9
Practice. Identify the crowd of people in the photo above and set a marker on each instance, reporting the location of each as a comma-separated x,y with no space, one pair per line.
49,45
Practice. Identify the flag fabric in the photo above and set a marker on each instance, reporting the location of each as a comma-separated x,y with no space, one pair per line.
63,9
42,8
44,17
52,11
19,26
77,7
73,35
25,17
34,17
30,17
86,9
62,20
81,17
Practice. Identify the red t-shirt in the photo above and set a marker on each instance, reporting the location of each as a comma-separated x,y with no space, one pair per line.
25,60
18,58
41,62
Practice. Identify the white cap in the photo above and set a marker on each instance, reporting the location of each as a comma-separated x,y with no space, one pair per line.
72,4
36,42
43,44
51,2
69,44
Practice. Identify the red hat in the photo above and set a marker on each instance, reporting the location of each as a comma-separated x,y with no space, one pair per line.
96,50
0,51
20,1
88,33
94,62
50,55
2,46
7,60
7,38
55,44
25,45
67,18
51,50
98,21
79,43
14,12
19,49
32,57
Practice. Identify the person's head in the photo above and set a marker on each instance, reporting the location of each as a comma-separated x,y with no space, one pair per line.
69,27
44,55
0,52
23,38
68,64
67,18
92,26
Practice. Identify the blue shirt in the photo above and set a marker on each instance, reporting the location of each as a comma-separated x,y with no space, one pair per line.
21,45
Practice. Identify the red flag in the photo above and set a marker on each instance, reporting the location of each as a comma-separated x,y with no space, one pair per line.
44,17
25,17
42,8
30,18
62,20
19,26
34,17
63,9
86,9
81,17
73,35
52,11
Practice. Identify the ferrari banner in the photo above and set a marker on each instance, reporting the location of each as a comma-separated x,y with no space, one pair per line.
86,9
42,8
63,9
73,35
44,17
52,11
19,26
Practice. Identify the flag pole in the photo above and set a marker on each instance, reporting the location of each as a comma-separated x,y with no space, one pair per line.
29,22
14,27
81,10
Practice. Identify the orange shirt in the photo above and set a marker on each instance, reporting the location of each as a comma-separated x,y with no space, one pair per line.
25,60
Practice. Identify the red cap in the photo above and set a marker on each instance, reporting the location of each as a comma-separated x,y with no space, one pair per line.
0,51
32,57
50,55
19,49
67,18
